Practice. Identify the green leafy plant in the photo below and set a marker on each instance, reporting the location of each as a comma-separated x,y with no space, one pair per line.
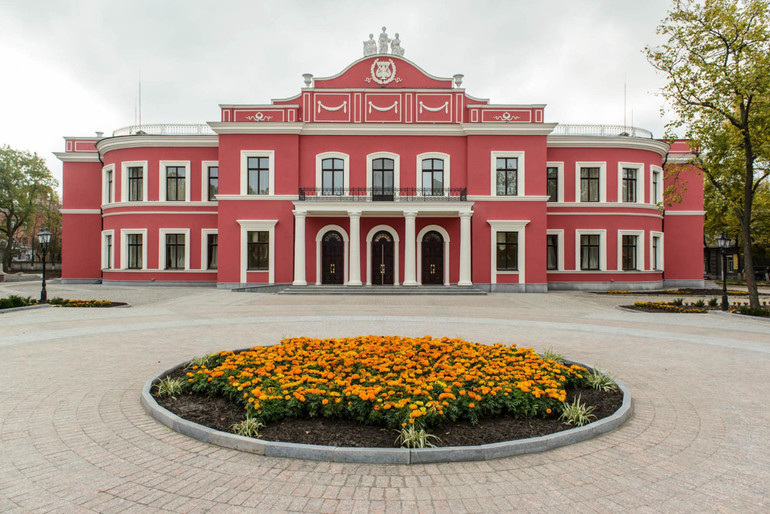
550,354
413,437
714,302
677,302
700,303
201,361
601,380
249,427
753,311
576,413
16,301
168,386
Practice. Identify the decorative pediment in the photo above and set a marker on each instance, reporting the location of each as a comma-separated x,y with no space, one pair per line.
383,70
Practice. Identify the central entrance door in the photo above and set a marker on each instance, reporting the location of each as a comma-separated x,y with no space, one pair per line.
432,258
332,258
382,259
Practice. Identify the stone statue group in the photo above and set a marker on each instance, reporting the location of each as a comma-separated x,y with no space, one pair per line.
380,46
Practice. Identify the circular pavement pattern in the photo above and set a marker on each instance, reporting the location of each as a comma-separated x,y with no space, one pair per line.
74,436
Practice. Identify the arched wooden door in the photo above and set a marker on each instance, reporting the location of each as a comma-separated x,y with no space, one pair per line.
332,258
382,259
432,258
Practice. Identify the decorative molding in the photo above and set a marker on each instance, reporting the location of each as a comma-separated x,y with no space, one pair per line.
148,141
383,109
343,106
382,75
506,116
444,107
124,213
77,156
685,213
258,197
80,211
634,143
259,117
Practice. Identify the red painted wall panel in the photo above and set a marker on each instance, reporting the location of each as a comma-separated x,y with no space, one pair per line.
81,246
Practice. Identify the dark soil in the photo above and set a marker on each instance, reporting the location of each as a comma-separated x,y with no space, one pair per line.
221,414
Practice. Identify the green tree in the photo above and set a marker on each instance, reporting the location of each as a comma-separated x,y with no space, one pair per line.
26,185
716,61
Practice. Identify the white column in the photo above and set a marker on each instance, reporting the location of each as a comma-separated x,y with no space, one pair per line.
410,240
299,248
355,248
465,249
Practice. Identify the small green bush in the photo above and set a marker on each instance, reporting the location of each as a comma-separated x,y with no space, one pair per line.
550,354
714,302
411,437
700,303
249,427
168,386
754,311
601,381
677,302
576,413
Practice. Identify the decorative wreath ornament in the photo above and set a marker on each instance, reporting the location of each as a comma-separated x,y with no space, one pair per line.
383,72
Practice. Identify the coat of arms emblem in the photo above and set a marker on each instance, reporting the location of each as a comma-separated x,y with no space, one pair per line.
383,72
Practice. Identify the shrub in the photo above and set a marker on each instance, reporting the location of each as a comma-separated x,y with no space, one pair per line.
16,301
411,437
753,311
601,380
713,302
168,386
700,303
576,413
249,427
677,302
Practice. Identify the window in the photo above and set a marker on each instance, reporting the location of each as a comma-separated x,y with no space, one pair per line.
552,179
175,249
109,185
629,185
507,251
332,173
258,250
589,184
212,240
135,251
258,179
135,183
589,251
108,259
432,177
655,252
656,186
629,253
175,183
382,179
552,252
213,183
507,169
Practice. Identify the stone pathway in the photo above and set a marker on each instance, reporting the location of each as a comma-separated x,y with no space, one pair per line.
73,436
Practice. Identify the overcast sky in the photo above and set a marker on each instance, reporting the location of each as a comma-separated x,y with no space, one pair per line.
73,67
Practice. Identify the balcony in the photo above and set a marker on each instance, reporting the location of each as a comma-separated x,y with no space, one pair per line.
370,194
601,130
166,129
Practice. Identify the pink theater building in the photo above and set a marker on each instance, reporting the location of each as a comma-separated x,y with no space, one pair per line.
380,175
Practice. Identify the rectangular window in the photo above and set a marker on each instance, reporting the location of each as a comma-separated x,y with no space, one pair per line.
507,251
213,183
212,241
656,252
629,185
433,177
552,252
175,183
135,183
589,252
655,194
589,184
258,250
552,179
108,250
629,253
134,251
174,251
109,187
258,169
332,173
507,169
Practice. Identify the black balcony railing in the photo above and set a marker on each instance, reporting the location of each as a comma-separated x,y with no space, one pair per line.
374,194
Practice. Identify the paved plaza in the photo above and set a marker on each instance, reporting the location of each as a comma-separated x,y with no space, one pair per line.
74,437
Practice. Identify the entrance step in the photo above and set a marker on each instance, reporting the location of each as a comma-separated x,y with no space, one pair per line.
384,290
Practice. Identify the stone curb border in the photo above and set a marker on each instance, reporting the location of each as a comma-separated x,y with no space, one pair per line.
25,308
384,455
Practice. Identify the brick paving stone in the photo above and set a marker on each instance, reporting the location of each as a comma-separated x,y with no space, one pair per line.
80,441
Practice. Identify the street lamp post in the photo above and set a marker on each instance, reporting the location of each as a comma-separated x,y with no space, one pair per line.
44,237
724,243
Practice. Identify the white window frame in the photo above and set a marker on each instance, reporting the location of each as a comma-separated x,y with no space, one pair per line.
560,249
602,233
559,165
661,253
205,248
639,248
108,261
110,168
257,226
205,180
433,155
396,168
345,170
508,226
639,167
318,257
656,169
162,232
124,233
245,154
602,165
162,180
520,167
124,179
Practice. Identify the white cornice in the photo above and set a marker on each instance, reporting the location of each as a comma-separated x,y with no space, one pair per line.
680,158
248,127
149,141
257,106
137,213
257,197
505,128
507,106
635,143
382,208
77,156
685,213
80,211
375,129
488,198
603,205
381,56
174,205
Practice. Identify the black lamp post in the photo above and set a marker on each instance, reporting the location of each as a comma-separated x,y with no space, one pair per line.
44,237
724,243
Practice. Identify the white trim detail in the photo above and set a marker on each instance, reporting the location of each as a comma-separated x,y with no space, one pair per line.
343,106
444,107
441,230
382,109
110,168
396,167
520,167
245,154
254,226
639,249
124,180
433,155
162,233
205,248
508,226
318,247
332,155
559,165
124,232
661,253
396,245
685,213
162,175
205,165
602,233
108,261
80,211
602,165
639,167
559,251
